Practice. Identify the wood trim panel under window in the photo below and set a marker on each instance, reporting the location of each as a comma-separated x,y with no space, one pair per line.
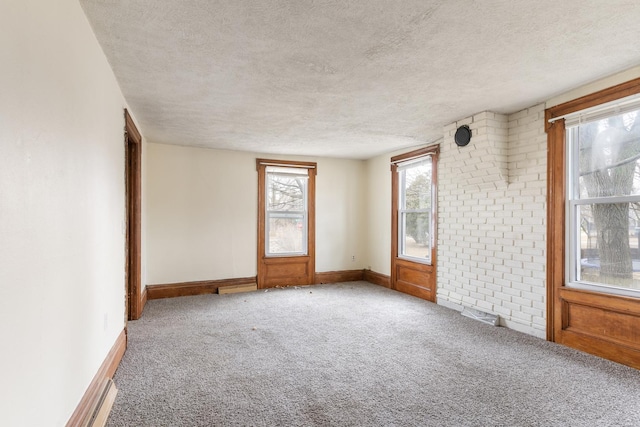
598,323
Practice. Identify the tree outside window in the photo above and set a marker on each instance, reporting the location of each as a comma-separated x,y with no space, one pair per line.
415,209
604,194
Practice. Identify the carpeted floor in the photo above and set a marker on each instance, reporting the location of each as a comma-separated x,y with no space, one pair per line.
354,354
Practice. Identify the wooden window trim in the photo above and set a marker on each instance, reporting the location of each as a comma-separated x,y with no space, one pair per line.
285,163
421,152
428,270
556,187
310,257
613,93
561,299
434,151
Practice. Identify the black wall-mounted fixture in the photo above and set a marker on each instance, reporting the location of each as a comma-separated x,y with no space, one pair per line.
463,135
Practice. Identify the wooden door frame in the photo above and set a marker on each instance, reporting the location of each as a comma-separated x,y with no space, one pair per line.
309,260
133,194
417,273
621,313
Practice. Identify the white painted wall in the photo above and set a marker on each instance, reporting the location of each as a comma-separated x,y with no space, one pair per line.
61,210
491,238
202,213
144,249
378,209
340,215
600,84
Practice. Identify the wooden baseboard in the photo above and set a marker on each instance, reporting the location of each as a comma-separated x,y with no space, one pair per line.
182,289
338,276
92,397
170,290
377,278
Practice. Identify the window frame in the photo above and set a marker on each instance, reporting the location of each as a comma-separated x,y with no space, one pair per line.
402,167
407,275
291,270
562,327
574,200
303,214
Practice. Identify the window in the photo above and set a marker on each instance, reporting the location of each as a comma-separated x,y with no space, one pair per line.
603,198
286,222
286,211
413,222
415,209
592,244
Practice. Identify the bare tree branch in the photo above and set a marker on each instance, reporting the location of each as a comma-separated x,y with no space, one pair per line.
615,165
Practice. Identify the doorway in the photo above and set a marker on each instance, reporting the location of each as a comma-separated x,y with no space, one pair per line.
133,161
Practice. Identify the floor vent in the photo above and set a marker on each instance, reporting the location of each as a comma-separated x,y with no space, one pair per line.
108,396
490,319
234,289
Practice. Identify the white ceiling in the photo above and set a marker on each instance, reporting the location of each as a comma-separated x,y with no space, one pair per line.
348,78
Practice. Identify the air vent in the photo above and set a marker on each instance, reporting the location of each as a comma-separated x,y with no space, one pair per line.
489,319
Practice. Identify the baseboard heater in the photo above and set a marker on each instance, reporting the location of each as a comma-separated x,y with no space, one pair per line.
234,289
489,319
103,406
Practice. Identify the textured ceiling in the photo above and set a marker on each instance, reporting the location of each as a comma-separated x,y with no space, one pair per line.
347,78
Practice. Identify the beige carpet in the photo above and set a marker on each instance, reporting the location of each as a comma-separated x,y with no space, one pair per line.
354,354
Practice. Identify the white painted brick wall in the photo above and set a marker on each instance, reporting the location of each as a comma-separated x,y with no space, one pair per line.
491,242
483,163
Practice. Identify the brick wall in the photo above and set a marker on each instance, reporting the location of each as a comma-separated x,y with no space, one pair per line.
483,163
492,218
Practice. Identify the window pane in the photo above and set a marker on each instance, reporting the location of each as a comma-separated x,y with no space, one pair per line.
609,153
286,192
414,232
608,244
286,234
415,182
